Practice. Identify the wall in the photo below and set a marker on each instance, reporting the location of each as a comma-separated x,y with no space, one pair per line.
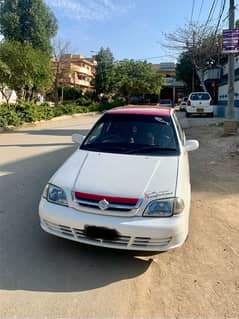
222,100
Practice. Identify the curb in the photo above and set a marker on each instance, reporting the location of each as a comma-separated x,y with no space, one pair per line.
54,119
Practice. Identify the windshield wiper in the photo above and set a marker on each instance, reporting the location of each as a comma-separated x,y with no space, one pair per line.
150,149
98,147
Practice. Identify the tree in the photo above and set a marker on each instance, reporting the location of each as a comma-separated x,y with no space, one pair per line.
199,41
184,69
25,69
133,77
5,74
104,72
59,49
28,22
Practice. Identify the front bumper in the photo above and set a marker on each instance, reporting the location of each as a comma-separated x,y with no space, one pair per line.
135,233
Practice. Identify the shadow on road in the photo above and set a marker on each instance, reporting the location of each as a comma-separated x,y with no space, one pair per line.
31,259
52,132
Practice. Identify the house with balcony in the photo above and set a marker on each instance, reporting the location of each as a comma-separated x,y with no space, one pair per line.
171,89
76,71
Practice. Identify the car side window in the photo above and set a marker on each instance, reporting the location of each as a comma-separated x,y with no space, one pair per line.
179,129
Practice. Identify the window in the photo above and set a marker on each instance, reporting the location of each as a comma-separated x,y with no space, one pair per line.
199,96
133,134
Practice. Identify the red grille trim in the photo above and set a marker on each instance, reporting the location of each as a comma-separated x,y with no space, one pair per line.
114,199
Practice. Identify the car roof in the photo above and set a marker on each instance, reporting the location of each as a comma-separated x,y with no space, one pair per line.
198,93
141,110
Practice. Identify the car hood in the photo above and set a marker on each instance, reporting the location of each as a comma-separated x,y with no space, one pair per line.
118,174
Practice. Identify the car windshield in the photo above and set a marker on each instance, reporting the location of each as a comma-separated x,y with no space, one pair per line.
133,134
199,96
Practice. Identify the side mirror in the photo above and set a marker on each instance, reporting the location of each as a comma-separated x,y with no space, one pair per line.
77,138
191,145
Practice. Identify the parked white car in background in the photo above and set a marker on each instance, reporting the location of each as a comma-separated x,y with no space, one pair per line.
126,186
199,103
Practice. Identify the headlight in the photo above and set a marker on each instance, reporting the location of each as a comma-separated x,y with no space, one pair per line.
55,194
164,207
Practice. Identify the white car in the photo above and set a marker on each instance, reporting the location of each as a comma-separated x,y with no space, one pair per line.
126,186
199,103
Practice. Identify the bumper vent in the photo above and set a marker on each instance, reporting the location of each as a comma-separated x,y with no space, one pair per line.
123,241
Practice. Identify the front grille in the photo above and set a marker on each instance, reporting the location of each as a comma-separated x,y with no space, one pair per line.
122,241
113,203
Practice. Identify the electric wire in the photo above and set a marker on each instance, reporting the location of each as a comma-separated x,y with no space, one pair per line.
220,16
208,18
200,11
192,12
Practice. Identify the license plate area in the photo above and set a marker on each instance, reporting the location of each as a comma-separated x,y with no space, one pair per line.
103,233
200,110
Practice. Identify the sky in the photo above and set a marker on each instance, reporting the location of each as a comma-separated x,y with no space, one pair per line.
132,29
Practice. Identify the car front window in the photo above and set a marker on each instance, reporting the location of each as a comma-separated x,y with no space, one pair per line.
133,134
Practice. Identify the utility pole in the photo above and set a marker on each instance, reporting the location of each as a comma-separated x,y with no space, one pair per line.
230,125
194,65
231,69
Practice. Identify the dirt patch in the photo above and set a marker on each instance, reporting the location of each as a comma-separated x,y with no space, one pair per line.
200,279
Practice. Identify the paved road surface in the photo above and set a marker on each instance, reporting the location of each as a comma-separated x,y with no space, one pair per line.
42,276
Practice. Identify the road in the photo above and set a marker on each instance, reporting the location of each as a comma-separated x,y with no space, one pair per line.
42,276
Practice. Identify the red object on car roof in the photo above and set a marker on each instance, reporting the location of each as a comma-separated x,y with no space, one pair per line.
141,109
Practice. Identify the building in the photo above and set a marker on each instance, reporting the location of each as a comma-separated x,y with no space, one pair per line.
216,82
76,70
223,90
171,89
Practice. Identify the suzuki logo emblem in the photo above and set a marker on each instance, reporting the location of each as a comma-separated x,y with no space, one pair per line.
103,204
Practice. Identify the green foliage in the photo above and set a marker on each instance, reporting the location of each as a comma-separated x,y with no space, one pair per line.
29,112
107,106
46,111
29,22
70,93
184,71
23,68
9,116
133,77
84,101
104,72
69,109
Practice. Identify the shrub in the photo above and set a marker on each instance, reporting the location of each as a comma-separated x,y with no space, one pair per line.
46,111
84,101
107,106
93,107
9,116
28,111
